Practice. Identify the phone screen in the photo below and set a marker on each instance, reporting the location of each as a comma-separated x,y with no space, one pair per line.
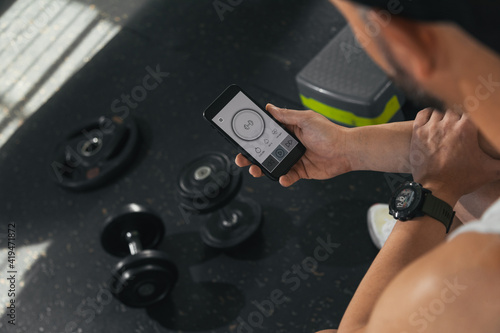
257,133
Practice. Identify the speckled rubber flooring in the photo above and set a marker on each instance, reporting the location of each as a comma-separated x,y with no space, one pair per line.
296,275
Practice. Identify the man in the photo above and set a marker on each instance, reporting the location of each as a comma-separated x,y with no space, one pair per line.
445,54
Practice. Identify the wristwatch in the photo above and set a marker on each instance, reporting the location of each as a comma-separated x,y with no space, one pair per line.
412,200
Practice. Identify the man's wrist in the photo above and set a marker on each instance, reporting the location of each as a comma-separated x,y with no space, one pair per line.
442,192
351,149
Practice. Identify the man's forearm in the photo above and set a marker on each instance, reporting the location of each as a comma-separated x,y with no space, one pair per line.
386,147
380,147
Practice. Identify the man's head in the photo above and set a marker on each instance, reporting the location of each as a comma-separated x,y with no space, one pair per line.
442,53
399,74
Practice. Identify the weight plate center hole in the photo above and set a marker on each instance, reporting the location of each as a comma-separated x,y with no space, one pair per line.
91,147
202,173
146,289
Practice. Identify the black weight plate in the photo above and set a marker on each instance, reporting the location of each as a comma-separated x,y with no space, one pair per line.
131,217
94,153
215,234
143,279
208,183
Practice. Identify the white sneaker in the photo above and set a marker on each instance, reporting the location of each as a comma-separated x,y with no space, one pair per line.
380,224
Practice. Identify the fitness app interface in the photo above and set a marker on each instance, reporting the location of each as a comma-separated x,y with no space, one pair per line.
255,131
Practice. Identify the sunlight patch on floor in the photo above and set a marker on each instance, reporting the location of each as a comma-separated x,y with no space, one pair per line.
42,44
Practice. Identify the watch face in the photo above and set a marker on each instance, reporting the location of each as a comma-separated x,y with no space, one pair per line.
406,201
405,198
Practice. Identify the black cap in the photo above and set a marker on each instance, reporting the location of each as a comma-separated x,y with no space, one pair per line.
480,18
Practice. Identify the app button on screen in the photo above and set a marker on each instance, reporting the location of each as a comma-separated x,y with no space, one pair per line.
279,153
270,163
248,125
289,143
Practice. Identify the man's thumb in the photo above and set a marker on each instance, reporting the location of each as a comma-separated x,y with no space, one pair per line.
285,116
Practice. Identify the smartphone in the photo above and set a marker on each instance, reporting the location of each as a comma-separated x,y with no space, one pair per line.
255,132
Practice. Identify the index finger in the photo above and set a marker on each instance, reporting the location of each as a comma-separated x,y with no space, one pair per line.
422,118
241,161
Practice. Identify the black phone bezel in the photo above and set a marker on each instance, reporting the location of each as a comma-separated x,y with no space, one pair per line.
221,101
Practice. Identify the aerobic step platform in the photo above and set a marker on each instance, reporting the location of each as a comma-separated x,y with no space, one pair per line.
345,85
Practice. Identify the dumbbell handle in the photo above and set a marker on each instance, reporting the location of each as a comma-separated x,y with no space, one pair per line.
134,242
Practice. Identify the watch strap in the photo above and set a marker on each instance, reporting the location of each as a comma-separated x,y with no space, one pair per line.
439,210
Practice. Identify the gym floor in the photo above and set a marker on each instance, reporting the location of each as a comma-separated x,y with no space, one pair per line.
264,285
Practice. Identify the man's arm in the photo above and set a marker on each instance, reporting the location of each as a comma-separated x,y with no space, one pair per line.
453,166
333,150
382,148
386,147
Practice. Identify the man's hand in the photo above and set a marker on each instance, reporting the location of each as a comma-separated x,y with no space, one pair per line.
445,155
325,156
